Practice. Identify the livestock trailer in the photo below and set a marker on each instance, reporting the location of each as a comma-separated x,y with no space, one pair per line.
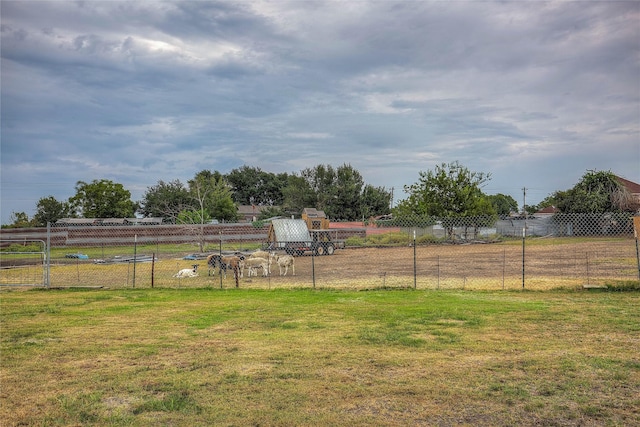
294,237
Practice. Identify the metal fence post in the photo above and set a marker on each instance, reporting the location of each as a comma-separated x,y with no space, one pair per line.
524,234
153,268
638,257
504,265
135,255
220,253
635,234
47,274
586,255
313,268
438,270
414,261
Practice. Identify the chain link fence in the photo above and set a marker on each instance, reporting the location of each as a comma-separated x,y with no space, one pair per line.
424,253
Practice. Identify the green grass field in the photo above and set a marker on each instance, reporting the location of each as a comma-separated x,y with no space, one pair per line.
205,357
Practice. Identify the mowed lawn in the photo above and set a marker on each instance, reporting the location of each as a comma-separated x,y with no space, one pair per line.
211,357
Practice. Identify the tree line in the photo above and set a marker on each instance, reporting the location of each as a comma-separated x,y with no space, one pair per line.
449,191
340,191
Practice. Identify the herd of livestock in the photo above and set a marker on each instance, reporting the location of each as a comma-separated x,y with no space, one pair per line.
238,262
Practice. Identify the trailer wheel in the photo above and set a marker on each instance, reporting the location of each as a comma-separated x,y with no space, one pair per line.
330,249
320,250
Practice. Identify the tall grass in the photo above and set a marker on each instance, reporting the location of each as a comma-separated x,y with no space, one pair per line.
304,357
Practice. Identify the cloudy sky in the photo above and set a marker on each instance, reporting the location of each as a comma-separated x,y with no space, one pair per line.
534,93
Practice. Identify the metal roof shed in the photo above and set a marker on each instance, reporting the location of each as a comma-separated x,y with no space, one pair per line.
289,230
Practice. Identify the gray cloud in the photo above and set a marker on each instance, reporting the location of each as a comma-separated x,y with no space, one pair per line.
535,93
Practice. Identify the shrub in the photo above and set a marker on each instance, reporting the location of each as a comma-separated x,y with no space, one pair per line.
624,286
354,241
426,239
393,238
17,247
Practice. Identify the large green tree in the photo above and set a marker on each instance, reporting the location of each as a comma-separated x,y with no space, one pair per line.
452,193
321,180
166,200
346,201
49,210
596,192
297,195
211,193
210,197
375,201
102,199
340,192
503,204
253,186
449,190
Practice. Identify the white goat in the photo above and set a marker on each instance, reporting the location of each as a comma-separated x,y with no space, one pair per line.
252,264
285,261
187,272
260,254
268,256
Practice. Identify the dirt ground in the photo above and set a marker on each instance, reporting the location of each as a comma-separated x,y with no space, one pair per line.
473,264
469,266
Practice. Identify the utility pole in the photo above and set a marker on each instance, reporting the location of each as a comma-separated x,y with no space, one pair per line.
391,202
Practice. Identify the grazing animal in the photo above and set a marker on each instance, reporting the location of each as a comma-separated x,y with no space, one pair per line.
213,260
223,264
236,264
285,261
187,272
268,256
252,264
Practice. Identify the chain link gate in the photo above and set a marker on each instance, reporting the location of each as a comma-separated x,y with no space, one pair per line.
24,263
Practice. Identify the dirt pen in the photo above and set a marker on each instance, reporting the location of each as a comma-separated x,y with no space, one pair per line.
539,264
